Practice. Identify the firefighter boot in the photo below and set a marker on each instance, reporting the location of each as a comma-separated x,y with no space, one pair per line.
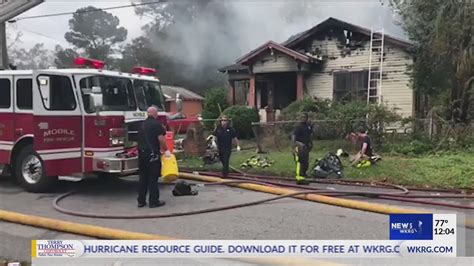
302,182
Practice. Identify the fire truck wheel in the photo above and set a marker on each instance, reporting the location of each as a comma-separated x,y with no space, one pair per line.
29,171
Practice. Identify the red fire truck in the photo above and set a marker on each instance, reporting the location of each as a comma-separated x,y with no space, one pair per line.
72,122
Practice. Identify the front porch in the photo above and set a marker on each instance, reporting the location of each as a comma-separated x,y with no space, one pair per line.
274,91
269,79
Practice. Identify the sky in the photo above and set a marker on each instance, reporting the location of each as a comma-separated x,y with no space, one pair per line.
258,23
50,31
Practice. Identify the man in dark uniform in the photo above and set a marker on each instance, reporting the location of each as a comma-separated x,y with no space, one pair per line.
150,139
302,143
225,134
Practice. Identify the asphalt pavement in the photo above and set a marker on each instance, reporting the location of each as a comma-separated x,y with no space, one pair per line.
282,219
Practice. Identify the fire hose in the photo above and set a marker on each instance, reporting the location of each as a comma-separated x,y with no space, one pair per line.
61,197
387,196
324,192
101,232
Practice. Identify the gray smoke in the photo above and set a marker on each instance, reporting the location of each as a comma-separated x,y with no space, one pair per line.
213,38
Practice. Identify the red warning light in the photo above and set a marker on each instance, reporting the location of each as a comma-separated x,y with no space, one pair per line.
144,71
87,62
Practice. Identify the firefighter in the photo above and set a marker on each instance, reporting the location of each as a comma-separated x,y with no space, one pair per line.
225,134
366,150
150,139
302,145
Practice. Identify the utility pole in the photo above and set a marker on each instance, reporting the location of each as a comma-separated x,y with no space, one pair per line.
3,47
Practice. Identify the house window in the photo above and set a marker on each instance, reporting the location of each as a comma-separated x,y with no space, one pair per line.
241,88
350,86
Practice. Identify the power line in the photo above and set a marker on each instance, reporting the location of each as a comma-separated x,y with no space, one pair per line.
86,11
43,35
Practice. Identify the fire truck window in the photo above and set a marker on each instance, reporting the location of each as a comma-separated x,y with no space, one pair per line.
117,93
24,94
61,95
148,93
5,93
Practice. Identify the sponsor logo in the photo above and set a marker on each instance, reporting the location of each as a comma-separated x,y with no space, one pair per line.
411,226
58,248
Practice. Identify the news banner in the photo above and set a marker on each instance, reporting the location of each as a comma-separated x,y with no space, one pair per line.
409,235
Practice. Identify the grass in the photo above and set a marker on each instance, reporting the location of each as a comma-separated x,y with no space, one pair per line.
430,171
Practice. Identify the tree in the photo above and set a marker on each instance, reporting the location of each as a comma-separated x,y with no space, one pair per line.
442,31
96,32
139,53
36,57
214,103
64,58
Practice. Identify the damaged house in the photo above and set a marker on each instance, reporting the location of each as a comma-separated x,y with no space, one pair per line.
333,60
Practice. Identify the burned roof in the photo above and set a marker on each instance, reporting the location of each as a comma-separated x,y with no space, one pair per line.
170,93
235,67
288,47
274,46
297,38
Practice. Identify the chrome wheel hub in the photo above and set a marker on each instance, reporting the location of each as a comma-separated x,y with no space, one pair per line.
31,169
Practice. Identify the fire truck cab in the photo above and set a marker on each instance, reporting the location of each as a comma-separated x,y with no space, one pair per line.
71,122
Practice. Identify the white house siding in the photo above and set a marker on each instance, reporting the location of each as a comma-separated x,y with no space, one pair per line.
396,88
275,63
395,84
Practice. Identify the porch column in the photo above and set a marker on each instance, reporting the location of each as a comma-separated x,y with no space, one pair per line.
270,92
232,92
299,86
251,96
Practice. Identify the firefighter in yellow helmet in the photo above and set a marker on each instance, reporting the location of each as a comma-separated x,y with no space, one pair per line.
302,145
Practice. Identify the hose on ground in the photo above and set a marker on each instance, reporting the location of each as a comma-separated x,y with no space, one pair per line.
386,196
319,191
252,179
167,215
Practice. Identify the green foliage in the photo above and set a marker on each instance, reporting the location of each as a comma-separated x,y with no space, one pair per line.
411,148
64,58
96,32
336,120
36,57
214,98
437,171
306,105
242,119
443,44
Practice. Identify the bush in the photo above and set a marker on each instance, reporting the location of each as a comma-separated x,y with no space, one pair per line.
242,118
411,147
336,120
213,99
307,105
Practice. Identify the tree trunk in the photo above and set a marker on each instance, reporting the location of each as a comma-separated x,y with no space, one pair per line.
455,101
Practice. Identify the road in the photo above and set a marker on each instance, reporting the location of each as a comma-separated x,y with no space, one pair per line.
283,219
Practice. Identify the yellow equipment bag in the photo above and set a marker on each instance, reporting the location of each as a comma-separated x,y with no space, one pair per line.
169,169
364,164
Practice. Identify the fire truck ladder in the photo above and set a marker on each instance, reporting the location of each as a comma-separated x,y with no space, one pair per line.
374,88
